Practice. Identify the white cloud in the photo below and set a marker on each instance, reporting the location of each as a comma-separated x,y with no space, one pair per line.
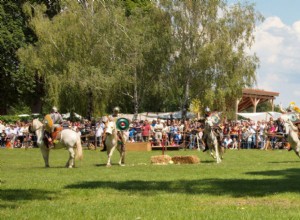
278,47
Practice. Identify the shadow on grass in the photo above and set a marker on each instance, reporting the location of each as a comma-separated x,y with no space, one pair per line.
25,194
208,161
279,162
7,206
288,181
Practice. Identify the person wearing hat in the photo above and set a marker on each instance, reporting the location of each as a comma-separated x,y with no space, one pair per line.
57,120
104,120
114,117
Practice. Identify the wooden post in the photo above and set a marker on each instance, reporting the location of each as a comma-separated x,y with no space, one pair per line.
254,101
272,104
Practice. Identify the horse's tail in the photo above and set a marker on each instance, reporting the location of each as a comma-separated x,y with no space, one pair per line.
79,153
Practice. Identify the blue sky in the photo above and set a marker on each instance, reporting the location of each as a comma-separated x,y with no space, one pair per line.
277,45
287,10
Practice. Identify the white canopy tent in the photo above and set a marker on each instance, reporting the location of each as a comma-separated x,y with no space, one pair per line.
162,115
67,115
258,116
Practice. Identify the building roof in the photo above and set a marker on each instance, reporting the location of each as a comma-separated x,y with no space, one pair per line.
249,95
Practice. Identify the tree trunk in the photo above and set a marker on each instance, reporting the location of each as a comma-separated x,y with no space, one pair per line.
185,105
135,96
37,103
90,104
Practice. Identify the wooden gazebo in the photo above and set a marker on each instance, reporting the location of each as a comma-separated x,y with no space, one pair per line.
253,97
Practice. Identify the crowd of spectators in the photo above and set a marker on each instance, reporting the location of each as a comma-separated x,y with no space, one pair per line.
241,134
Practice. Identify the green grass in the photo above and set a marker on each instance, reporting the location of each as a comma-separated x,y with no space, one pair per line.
248,184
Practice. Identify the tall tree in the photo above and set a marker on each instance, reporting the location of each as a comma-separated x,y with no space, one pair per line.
209,54
75,52
145,52
14,33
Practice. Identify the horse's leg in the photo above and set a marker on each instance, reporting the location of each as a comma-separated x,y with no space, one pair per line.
221,151
70,163
45,153
121,150
109,155
211,152
297,149
217,153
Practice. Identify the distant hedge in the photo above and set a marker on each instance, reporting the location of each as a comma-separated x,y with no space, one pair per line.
14,118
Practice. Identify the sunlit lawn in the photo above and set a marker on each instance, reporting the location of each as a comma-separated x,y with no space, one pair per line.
248,184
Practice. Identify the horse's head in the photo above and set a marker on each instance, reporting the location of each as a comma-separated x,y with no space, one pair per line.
111,127
35,125
288,119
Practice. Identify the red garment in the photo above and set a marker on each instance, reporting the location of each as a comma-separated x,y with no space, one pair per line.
146,130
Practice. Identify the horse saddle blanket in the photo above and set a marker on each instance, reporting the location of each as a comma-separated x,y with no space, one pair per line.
56,135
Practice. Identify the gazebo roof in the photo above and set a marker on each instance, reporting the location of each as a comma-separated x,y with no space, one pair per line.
249,95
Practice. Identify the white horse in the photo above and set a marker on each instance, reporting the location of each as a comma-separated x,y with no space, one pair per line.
112,143
292,132
212,141
69,139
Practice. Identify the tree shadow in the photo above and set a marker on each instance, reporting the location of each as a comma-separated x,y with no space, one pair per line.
208,161
288,182
26,194
100,165
283,162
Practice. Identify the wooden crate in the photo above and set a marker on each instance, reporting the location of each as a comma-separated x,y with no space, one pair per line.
138,146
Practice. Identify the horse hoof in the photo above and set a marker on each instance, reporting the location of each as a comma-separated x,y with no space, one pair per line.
70,166
47,166
108,165
122,165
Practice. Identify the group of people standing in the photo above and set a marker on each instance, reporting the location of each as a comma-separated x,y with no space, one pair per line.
15,135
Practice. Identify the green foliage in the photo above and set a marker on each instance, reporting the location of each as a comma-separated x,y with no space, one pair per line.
9,119
209,47
13,34
131,6
141,55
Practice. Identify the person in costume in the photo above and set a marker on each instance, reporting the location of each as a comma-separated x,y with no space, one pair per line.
51,128
207,115
121,136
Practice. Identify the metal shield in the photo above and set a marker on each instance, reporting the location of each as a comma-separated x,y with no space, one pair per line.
122,124
48,122
293,117
215,119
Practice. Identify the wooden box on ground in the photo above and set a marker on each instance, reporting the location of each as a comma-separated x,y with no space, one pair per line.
138,146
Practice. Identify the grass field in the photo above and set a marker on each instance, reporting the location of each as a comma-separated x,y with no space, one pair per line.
248,184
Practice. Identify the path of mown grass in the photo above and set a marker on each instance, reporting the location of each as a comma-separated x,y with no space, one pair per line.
248,184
